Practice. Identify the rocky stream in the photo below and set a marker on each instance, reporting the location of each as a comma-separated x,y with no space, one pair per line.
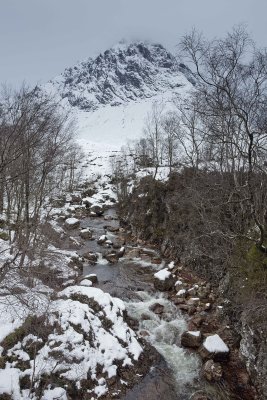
173,316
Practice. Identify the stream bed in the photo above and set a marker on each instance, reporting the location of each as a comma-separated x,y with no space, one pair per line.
176,376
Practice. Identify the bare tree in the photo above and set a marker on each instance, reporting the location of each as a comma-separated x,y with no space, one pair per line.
35,135
232,78
153,134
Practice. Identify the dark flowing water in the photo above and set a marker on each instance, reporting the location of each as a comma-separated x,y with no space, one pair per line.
176,376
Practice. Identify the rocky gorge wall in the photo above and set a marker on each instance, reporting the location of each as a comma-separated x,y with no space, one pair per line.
165,213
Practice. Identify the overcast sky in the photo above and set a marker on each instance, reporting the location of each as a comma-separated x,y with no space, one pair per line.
39,38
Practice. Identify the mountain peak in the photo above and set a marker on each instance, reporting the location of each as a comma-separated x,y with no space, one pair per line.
125,72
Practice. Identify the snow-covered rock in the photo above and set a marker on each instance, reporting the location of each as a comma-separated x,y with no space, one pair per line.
86,282
84,340
215,348
163,280
92,278
72,223
86,234
102,239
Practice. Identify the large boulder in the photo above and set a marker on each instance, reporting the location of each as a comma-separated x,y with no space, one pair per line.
86,234
121,252
134,253
212,371
74,243
58,202
112,258
163,280
111,228
157,308
191,339
72,223
200,395
89,192
75,198
92,278
102,239
214,348
91,257
118,242
97,210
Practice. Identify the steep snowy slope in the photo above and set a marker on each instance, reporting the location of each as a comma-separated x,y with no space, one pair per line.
112,94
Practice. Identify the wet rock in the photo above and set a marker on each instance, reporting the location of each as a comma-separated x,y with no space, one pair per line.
134,253
145,257
192,309
118,242
89,192
157,308
149,252
75,198
203,291
183,307
108,218
214,348
212,371
62,218
156,260
92,278
97,210
194,301
177,301
72,223
144,333
86,234
181,293
178,285
102,239
200,396
75,261
91,257
87,204
58,202
121,252
197,321
111,228
191,339
207,306
193,291
74,242
112,258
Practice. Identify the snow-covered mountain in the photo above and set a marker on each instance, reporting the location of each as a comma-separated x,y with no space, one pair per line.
112,93
123,74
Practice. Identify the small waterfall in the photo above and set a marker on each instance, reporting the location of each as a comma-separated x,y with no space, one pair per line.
164,334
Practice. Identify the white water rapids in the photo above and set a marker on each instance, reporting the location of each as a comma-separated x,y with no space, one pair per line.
164,335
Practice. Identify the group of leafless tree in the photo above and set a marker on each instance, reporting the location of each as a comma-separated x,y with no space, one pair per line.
37,158
219,129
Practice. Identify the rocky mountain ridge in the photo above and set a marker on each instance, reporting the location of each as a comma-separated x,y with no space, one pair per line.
124,73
